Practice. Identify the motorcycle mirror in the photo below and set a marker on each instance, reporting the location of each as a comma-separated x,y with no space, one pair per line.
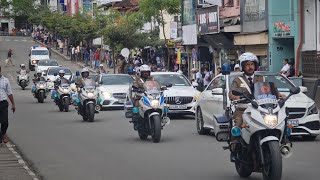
295,90
237,92
77,73
163,87
169,85
55,74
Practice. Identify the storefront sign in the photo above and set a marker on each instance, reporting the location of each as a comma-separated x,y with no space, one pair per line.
170,43
282,29
208,20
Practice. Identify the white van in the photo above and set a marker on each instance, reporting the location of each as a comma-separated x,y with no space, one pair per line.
37,53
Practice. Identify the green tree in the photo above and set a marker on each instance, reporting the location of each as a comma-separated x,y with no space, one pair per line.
19,8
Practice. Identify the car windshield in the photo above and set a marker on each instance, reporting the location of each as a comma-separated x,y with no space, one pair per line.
40,52
282,84
174,79
116,80
56,70
93,76
47,63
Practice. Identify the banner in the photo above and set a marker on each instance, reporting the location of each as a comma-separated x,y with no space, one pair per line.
173,30
208,20
178,60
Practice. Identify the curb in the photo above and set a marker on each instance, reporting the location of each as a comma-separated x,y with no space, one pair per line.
21,161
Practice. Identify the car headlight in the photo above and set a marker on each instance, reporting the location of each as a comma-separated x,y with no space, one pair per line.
271,120
312,110
155,103
34,61
90,95
106,95
196,97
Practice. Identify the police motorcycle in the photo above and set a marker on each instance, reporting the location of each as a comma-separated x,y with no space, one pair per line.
151,115
40,91
263,140
23,80
88,101
62,95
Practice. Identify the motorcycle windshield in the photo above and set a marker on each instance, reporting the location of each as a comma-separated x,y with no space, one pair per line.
64,82
152,87
266,94
89,84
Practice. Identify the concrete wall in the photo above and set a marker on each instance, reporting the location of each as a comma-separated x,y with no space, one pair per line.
167,19
226,12
254,15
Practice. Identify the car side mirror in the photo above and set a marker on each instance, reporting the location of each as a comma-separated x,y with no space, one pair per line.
194,84
303,89
164,88
77,73
168,85
237,92
217,91
55,74
295,90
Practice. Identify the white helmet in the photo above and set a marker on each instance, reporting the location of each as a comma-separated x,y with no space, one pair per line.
39,71
248,56
61,71
236,66
84,70
143,68
22,65
101,65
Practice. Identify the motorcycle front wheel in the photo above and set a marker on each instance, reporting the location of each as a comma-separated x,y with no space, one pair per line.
66,104
41,97
23,85
90,111
272,169
156,131
244,170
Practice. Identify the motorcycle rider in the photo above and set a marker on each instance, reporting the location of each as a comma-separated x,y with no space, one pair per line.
84,75
37,77
57,82
22,70
249,63
142,75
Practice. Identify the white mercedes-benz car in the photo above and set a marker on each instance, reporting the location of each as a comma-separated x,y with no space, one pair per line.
45,64
303,112
113,89
181,97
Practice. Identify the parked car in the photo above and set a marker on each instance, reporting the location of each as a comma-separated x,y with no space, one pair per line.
44,64
181,97
303,112
113,89
50,75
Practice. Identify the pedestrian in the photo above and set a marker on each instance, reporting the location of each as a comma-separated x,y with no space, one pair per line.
291,70
285,69
5,93
96,59
9,58
61,46
91,55
86,57
73,53
207,77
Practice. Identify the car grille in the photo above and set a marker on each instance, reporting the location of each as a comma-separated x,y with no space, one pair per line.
119,95
314,125
295,113
178,100
299,130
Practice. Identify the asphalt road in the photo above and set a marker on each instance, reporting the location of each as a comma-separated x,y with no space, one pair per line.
60,145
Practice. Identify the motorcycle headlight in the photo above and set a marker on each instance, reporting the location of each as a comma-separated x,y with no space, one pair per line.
271,120
106,95
66,90
155,103
74,89
41,86
312,110
90,95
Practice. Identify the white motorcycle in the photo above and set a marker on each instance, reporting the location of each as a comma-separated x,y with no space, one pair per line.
151,116
23,80
62,96
41,91
88,100
262,141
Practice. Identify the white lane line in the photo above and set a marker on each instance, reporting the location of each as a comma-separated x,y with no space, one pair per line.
22,162
10,76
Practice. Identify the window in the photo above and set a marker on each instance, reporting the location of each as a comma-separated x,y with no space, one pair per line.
217,83
175,80
40,52
116,80
227,3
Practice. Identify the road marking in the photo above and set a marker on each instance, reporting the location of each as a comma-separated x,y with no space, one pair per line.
10,76
21,161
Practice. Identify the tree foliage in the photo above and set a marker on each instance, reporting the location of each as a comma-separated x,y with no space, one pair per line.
18,8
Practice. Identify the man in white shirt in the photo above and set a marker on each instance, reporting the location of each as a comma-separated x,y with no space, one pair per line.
286,67
5,93
207,77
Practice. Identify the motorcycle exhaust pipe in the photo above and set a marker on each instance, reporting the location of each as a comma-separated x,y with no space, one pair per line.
286,150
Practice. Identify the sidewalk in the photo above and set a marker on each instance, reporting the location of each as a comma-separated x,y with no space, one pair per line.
79,63
12,166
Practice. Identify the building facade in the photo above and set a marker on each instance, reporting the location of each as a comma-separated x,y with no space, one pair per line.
285,29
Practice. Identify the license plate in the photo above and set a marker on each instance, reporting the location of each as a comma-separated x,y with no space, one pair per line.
74,96
177,107
294,123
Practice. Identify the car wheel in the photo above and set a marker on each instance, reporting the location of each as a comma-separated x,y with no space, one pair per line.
199,118
309,138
